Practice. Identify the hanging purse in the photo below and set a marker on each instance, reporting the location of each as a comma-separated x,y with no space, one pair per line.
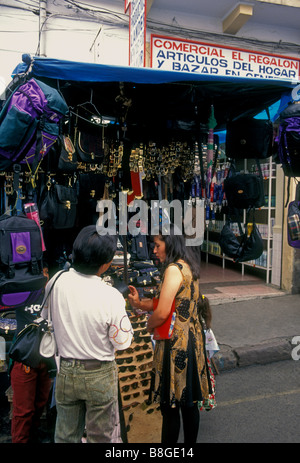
59,206
89,148
244,247
89,138
67,162
36,341
8,327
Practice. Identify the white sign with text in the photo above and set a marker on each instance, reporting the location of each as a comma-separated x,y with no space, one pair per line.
137,33
173,54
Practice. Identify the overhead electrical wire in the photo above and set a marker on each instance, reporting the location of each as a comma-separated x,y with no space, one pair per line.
115,19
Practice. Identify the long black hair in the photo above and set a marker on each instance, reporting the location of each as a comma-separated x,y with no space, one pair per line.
176,249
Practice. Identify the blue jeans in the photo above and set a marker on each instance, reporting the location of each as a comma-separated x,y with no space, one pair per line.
86,399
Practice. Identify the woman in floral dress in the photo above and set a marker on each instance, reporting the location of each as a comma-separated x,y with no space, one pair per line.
181,375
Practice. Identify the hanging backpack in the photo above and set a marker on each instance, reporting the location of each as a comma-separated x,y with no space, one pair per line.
248,138
21,268
288,140
244,190
30,124
293,221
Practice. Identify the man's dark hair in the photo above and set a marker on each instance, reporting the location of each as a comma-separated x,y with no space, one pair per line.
91,250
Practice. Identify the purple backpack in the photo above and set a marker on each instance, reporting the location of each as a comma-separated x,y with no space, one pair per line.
293,224
288,140
21,266
30,124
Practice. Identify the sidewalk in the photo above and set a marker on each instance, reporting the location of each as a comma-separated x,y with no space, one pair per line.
255,331
254,322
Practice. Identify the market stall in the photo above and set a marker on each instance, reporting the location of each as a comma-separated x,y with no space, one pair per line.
145,133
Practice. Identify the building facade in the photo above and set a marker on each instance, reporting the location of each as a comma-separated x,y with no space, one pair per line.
105,32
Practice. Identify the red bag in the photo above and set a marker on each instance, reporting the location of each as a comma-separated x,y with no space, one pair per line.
165,330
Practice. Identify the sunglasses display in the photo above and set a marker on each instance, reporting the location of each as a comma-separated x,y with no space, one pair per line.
146,366
121,360
139,347
129,396
143,356
145,374
122,369
127,378
128,407
134,367
127,387
137,325
140,332
136,319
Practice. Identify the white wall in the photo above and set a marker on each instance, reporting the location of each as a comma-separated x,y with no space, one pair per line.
94,37
18,34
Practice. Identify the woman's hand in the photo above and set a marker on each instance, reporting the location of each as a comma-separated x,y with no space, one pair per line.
150,330
134,298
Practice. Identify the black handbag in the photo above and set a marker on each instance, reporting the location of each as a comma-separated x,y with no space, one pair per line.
88,135
8,327
89,147
59,206
244,247
67,162
244,190
26,347
249,139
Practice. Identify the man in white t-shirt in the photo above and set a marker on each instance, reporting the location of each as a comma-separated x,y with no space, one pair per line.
90,323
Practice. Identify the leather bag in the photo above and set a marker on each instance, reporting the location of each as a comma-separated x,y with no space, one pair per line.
241,248
59,207
36,341
89,148
244,190
248,138
67,162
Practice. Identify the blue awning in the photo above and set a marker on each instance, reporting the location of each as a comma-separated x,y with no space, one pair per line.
167,95
91,72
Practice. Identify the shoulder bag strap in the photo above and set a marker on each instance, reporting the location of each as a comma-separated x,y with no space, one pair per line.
44,301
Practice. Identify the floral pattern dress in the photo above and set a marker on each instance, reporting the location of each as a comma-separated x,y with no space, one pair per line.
181,372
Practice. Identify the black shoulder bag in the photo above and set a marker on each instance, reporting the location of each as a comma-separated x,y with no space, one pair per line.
26,348
245,247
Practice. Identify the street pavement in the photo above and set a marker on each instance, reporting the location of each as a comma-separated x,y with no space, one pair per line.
256,330
254,324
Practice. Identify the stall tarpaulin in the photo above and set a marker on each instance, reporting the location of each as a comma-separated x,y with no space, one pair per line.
231,96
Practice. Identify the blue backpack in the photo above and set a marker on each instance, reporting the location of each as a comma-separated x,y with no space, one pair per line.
288,140
30,124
